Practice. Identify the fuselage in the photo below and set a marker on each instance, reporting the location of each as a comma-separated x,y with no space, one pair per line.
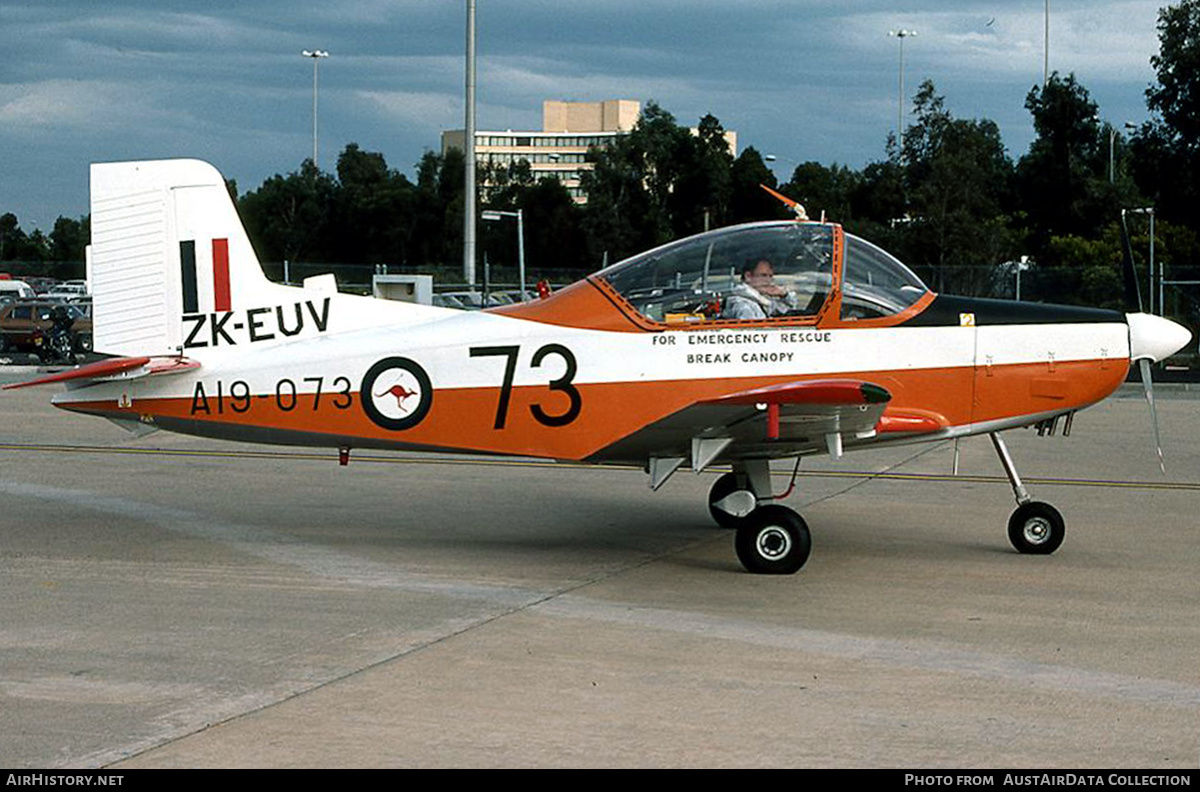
595,371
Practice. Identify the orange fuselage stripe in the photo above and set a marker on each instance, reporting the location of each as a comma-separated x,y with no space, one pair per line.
465,418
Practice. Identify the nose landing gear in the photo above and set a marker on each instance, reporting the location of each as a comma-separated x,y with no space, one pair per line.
1035,528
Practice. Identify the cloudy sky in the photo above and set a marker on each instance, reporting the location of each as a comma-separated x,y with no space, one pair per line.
87,80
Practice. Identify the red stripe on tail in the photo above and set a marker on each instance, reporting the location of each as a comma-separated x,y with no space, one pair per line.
221,295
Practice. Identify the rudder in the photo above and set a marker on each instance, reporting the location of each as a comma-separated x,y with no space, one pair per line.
166,241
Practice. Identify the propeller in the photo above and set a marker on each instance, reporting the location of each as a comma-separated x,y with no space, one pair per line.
1151,338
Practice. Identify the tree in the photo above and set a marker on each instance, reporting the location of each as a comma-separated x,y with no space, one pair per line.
553,234
11,236
375,206
16,245
1176,98
825,190
1084,271
704,186
437,211
958,181
627,188
748,201
288,218
1167,149
68,245
1063,180
658,183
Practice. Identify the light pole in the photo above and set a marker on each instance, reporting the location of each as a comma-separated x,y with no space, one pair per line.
1020,266
469,165
496,214
901,34
316,56
1112,166
1046,49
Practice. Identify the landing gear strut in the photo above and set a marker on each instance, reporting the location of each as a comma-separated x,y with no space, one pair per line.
771,539
1035,528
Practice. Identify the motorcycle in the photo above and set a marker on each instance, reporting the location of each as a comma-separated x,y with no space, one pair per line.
55,344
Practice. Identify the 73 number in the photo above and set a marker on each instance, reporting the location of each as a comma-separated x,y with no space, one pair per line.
563,384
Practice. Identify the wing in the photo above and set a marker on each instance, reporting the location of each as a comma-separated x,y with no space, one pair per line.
810,414
790,419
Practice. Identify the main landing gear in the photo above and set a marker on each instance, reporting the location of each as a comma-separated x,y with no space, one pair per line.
1035,527
771,539
774,540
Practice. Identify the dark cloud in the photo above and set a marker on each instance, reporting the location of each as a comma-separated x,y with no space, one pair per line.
804,79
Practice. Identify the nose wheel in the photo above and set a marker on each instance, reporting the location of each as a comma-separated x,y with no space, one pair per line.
1035,528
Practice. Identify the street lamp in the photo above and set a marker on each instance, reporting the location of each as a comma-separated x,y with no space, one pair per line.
1020,266
773,158
1112,137
901,34
316,56
496,214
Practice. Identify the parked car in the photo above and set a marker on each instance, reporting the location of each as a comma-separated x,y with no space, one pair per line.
67,292
447,301
470,300
17,289
19,320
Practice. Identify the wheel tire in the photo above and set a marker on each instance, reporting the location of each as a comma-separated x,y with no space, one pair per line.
773,540
722,488
1036,528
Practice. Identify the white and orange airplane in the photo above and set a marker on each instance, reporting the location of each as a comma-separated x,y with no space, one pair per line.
836,346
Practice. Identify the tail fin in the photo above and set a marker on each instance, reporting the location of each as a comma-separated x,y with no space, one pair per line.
167,242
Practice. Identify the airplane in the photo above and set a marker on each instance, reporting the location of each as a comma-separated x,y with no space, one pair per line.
639,363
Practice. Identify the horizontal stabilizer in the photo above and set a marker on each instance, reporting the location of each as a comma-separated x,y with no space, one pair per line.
114,369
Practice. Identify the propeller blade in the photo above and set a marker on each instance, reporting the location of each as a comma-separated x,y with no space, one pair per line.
1148,384
1132,286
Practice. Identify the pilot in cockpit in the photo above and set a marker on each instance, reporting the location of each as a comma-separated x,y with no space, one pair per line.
758,296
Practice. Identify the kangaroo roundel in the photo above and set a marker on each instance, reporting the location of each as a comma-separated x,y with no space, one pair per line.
396,393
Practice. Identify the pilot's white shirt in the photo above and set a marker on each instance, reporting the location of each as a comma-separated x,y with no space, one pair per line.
746,302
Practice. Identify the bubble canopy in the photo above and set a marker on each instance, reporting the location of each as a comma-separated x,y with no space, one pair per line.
700,278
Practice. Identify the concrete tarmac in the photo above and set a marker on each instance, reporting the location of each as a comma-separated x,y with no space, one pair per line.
178,602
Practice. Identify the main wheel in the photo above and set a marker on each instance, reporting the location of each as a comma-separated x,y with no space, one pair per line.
1036,528
722,488
773,540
